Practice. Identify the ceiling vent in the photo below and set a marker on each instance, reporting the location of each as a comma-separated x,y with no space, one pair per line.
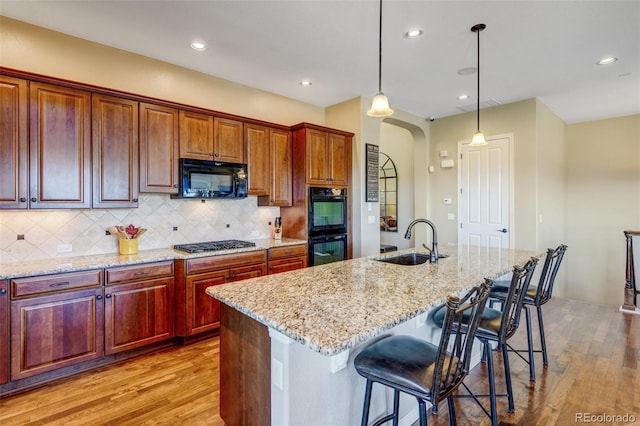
484,104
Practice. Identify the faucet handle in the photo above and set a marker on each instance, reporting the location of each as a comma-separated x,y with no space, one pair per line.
426,248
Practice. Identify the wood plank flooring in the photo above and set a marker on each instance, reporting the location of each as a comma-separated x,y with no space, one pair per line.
594,357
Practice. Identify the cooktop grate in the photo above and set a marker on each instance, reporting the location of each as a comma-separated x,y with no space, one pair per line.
213,246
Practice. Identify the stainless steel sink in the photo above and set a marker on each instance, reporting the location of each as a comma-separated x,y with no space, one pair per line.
409,259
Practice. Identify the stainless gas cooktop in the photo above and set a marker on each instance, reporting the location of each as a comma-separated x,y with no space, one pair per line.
213,246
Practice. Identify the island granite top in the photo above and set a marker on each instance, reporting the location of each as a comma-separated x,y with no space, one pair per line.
56,265
334,307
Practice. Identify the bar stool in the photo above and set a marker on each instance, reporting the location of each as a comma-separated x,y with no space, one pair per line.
498,326
420,368
535,296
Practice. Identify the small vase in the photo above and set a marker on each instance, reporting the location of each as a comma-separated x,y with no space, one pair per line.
128,246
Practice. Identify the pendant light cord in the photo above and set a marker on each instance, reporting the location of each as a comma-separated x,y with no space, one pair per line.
380,51
478,100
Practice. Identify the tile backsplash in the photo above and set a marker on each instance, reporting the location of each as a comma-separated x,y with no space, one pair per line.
84,230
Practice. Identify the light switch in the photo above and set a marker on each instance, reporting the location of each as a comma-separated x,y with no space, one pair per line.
372,219
451,216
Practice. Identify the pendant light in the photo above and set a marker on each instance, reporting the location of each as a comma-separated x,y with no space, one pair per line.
478,137
380,104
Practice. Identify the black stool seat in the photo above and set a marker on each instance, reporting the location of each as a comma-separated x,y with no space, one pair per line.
406,361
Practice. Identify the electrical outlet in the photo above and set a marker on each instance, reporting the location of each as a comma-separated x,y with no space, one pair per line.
64,248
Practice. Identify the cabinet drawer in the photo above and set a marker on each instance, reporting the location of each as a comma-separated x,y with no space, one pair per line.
139,272
213,263
287,251
21,287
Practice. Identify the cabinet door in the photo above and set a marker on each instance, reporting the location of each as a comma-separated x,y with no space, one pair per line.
317,159
228,142
284,265
138,314
281,168
4,332
115,152
258,161
60,147
50,332
246,272
203,311
158,149
196,135
13,144
338,159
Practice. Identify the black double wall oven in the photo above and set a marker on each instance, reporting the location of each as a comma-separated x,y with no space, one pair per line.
328,215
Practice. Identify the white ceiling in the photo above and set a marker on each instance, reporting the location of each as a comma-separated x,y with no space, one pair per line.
543,49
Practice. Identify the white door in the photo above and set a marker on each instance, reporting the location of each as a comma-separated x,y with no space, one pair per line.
484,196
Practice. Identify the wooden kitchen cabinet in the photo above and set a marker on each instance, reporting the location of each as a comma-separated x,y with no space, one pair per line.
287,258
139,305
196,311
205,137
269,164
14,143
4,332
60,147
326,154
56,321
158,128
115,152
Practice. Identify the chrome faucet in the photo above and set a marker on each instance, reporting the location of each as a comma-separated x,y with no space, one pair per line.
433,252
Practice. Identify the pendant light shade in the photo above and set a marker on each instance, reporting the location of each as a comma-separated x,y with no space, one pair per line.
380,104
478,137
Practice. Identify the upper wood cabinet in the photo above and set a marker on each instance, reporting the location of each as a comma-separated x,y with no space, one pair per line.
269,164
60,147
14,145
204,137
115,152
326,153
158,149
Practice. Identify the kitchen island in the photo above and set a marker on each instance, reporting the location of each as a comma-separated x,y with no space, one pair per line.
287,341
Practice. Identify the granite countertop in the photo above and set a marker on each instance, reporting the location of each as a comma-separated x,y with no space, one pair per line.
10,270
334,307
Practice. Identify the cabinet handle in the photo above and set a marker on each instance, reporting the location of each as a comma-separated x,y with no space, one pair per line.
60,284
3,291
135,200
34,200
175,185
141,274
99,297
108,296
23,200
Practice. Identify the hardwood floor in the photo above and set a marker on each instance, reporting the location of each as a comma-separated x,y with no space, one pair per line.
594,369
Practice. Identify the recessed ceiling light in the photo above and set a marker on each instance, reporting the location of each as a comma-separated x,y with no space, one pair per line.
467,71
198,45
463,97
305,83
607,61
413,33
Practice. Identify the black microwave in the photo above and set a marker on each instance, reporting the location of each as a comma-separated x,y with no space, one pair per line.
211,179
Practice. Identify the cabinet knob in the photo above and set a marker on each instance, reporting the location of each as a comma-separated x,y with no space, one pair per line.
3,291
23,199
108,296
34,199
99,297
175,185
217,154
135,200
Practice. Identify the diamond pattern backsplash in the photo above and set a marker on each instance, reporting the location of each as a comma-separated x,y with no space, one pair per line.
85,230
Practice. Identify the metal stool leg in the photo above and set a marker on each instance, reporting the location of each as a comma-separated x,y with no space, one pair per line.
507,378
367,403
543,342
492,383
422,408
396,406
532,368
452,411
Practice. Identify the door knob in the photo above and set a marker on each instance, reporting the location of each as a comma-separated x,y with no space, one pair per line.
503,230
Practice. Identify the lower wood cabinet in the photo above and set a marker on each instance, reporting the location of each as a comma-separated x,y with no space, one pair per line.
287,258
4,332
196,311
56,321
138,306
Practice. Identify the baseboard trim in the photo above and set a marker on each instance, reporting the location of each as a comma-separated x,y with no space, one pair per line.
635,311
